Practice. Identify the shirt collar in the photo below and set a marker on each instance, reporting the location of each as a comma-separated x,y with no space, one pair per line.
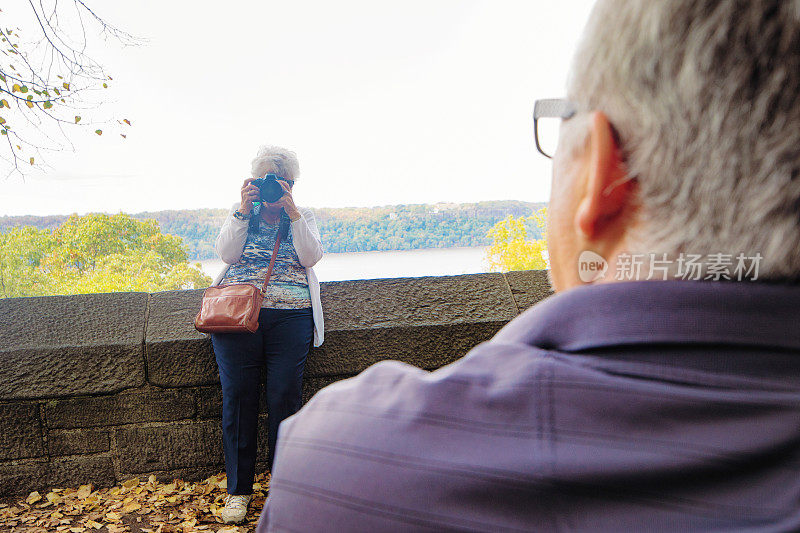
648,312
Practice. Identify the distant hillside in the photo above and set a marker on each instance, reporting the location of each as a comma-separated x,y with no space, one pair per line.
362,229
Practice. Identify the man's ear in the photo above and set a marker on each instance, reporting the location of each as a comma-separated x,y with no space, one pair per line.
608,190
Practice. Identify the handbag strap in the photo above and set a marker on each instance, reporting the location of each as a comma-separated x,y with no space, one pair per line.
272,259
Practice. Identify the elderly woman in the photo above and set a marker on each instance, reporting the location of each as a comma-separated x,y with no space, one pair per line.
289,321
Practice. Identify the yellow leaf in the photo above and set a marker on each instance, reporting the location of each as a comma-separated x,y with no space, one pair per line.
99,132
15,88
84,491
29,104
52,497
77,119
126,121
65,85
31,164
131,507
113,517
134,481
92,523
4,103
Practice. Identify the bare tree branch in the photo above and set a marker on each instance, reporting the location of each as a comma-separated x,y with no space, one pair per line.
52,79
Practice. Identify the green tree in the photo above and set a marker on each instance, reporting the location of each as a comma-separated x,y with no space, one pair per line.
511,249
22,251
95,253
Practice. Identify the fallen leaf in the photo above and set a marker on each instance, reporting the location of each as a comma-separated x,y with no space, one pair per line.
33,497
84,491
131,507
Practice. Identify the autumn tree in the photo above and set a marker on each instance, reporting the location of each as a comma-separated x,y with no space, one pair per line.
95,253
511,249
49,84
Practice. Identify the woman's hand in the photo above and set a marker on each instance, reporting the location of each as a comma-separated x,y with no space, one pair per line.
250,193
287,202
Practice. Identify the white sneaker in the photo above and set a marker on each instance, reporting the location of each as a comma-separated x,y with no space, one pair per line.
235,507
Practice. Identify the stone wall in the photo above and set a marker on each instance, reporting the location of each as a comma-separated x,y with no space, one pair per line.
105,387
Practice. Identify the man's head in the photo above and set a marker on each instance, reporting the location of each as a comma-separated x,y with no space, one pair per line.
686,137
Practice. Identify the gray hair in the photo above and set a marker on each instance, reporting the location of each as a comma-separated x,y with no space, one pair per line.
276,160
705,97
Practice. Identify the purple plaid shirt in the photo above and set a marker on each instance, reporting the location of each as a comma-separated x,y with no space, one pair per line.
636,406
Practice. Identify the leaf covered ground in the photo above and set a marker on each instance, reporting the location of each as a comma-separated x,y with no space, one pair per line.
136,505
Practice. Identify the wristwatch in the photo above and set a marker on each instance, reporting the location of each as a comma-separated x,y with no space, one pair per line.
241,216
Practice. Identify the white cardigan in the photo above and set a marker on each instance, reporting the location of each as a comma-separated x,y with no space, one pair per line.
307,244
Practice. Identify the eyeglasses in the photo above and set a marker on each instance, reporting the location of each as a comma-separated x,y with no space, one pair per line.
547,117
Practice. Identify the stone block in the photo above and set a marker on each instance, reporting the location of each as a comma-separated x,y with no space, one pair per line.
466,306
209,401
78,441
350,352
209,398
177,354
76,471
311,386
529,287
144,405
23,477
21,429
428,322
169,446
261,456
404,302
58,346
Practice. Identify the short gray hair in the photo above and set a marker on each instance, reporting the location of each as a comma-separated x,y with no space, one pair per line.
705,97
276,160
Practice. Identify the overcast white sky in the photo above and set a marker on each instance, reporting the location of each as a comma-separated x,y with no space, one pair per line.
385,102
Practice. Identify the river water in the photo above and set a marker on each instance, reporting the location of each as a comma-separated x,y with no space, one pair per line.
392,264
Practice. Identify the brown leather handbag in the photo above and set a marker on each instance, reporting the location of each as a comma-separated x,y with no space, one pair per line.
234,308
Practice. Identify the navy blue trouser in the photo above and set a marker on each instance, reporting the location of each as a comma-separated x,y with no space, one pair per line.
282,342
